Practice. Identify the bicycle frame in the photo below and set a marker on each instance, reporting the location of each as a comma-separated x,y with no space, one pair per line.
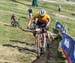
40,42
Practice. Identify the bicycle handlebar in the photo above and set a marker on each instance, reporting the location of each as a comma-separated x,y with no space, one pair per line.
37,30
27,30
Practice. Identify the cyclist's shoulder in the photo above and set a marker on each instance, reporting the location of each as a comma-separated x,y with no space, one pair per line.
47,15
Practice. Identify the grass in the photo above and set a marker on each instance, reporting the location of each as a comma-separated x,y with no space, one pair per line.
19,8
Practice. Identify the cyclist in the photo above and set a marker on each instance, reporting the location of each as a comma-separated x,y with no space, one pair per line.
13,20
14,23
43,20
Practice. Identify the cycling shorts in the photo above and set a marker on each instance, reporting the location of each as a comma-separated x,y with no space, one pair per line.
41,25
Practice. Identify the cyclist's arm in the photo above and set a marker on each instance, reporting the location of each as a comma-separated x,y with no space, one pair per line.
49,22
32,19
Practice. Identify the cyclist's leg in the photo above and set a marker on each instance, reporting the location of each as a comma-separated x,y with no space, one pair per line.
37,40
41,40
44,36
50,37
43,26
35,36
49,40
38,45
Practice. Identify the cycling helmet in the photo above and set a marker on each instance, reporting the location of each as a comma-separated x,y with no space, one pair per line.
42,12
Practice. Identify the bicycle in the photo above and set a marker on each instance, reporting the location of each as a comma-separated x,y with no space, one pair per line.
39,39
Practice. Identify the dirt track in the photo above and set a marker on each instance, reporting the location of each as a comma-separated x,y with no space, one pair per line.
50,56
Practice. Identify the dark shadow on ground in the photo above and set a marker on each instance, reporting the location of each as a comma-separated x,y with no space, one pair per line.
10,25
73,14
17,41
20,49
7,25
24,17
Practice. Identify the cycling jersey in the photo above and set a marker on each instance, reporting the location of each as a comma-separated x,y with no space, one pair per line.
41,19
